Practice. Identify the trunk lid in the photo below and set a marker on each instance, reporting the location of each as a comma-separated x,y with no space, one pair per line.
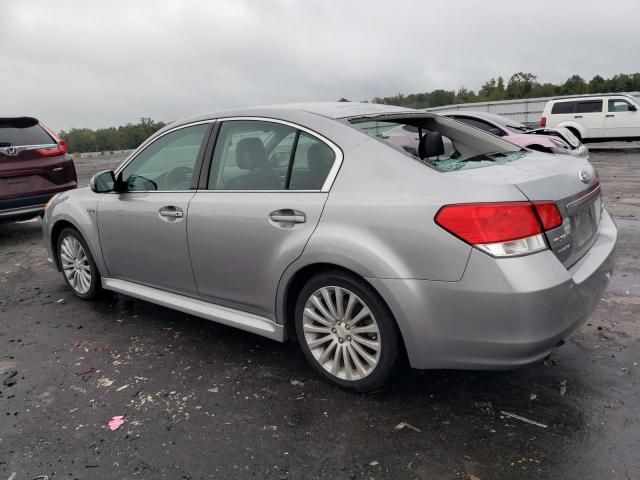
571,183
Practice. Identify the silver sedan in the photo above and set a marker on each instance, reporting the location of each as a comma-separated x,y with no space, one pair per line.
314,222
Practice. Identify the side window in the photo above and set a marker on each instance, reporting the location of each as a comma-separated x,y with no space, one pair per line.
619,106
563,107
168,163
311,163
251,155
589,106
487,127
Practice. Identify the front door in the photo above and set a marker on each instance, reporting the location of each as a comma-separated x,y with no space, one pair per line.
143,231
622,120
266,191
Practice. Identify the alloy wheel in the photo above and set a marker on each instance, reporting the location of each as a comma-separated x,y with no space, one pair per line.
342,333
75,264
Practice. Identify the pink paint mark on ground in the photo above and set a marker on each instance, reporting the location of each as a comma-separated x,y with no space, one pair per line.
116,422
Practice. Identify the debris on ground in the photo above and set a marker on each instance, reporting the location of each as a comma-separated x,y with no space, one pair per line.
403,425
79,389
119,389
10,380
270,427
116,422
523,419
105,382
563,388
297,382
374,463
533,396
91,370
213,390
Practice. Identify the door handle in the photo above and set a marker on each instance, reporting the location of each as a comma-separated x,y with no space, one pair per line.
171,212
610,115
288,215
577,116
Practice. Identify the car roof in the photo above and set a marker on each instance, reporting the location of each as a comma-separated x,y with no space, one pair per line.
589,96
333,110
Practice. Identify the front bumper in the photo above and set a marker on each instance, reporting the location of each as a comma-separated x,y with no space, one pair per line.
503,313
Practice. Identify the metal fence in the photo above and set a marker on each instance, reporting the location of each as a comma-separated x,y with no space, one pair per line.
527,111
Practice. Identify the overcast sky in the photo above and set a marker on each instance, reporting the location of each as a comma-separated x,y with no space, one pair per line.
94,63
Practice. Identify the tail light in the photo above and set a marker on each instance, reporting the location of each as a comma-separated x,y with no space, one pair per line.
501,229
60,148
543,122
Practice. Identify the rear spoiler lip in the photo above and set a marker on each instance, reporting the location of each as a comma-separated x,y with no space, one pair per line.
18,122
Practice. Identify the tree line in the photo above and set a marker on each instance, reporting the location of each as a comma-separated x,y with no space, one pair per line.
108,139
521,85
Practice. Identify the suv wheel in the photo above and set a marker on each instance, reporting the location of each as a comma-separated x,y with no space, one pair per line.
346,332
78,268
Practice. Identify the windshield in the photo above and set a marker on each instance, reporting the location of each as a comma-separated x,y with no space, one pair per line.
461,146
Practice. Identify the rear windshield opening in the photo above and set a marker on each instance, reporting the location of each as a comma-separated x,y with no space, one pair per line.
23,131
453,145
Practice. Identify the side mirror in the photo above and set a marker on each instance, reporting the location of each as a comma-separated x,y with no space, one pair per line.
103,182
496,131
633,108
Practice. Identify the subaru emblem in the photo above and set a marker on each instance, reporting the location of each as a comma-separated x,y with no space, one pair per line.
585,177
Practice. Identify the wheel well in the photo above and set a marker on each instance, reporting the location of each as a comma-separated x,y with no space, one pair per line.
575,132
298,281
55,232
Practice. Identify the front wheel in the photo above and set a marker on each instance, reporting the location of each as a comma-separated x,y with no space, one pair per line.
346,331
78,268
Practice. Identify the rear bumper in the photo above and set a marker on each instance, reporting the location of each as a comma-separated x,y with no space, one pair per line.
503,313
23,206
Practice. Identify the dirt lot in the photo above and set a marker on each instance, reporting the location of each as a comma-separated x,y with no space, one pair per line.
206,401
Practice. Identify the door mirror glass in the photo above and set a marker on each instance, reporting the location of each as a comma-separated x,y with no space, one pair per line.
495,131
103,182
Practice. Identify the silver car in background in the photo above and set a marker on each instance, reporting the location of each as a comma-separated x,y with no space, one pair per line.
306,222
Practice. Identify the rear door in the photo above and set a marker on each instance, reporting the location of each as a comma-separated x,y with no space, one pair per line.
590,114
621,120
262,199
143,231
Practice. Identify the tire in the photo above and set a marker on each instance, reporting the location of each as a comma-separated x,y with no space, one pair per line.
78,267
368,341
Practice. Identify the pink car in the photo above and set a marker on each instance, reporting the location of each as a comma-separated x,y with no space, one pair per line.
551,140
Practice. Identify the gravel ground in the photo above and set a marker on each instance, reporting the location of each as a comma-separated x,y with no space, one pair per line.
201,400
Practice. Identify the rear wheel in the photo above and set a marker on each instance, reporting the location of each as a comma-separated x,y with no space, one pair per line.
78,268
346,332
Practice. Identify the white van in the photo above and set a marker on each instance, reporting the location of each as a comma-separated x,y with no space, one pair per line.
595,117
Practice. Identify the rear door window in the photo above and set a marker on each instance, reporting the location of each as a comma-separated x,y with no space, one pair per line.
263,155
21,132
312,163
563,107
589,106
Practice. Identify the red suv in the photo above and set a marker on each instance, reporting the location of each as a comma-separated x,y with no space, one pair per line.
34,166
